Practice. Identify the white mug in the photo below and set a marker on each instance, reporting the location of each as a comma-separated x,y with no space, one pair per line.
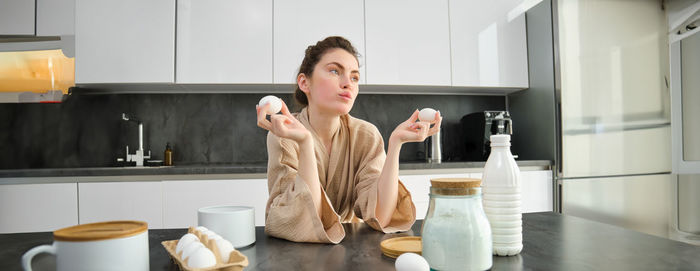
234,223
115,245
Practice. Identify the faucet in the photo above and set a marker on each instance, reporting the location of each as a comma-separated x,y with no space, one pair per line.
139,156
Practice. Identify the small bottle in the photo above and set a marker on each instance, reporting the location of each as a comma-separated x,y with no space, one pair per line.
501,198
168,156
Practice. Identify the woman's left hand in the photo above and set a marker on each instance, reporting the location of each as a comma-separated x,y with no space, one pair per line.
412,131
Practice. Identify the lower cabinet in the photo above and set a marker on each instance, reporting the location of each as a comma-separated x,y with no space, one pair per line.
106,201
38,207
536,190
419,186
174,203
182,199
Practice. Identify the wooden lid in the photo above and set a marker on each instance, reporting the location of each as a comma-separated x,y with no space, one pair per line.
454,186
394,247
100,231
455,182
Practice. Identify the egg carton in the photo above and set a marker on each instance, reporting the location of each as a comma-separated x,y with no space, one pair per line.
237,261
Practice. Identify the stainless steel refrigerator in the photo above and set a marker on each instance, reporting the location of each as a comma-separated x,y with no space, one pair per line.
615,112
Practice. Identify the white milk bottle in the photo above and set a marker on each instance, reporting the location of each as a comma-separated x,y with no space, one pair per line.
501,198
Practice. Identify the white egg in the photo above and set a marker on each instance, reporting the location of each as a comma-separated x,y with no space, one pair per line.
185,240
411,262
427,114
201,228
210,234
225,248
201,258
275,104
190,248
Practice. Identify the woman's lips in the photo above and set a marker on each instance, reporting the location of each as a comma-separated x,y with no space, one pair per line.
346,96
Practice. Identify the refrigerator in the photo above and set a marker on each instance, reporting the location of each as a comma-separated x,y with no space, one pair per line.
614,154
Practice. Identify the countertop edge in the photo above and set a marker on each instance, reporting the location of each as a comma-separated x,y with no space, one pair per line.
204,172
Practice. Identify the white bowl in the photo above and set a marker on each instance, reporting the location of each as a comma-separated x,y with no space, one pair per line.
234,223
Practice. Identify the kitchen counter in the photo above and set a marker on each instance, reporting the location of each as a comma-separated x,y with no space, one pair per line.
551,242
252,168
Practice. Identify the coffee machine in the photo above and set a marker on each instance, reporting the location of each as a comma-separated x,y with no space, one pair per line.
477,129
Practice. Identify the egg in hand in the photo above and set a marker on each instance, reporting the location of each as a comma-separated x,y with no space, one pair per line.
427,114
275,104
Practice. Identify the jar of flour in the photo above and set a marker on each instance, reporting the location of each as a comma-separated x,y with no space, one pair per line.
456,234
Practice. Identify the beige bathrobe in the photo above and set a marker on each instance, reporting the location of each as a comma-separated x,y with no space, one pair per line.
348,179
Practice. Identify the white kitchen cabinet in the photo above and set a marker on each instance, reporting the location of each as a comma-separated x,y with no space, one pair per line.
224,42
126,41
419,187
488,44
536,190
104,201
408,42
298,24
17,17
38,207
55,17
182,198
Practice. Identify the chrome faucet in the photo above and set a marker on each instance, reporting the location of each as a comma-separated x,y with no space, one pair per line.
139,156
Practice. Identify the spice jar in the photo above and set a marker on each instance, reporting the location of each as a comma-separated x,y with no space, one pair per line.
456,234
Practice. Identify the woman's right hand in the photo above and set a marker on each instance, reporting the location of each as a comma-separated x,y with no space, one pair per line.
282,125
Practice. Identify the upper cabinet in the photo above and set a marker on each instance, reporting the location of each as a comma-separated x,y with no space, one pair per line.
300,23
489,44
408,42
55,17
128,41
17,17
224,41
455,45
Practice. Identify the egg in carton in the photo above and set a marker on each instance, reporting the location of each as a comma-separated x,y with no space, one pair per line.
219,253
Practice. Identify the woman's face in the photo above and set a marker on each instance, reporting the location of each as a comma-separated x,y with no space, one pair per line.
334,83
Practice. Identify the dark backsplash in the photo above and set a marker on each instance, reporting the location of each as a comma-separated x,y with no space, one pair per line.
87,130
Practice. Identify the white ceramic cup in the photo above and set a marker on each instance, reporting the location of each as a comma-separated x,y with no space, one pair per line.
120,253
234,223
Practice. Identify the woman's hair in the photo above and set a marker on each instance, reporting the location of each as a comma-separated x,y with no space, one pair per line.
313,54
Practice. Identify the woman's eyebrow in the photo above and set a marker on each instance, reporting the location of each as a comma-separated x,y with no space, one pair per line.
341,67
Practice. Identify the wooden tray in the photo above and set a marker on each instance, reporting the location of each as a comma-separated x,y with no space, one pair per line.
237,261
394,247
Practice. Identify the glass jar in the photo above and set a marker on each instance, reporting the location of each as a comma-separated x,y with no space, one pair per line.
456,234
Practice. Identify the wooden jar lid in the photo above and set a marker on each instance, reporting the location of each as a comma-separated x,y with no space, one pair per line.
100,231
394,247
455,186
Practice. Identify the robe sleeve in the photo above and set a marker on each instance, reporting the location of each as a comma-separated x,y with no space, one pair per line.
366,188
290,213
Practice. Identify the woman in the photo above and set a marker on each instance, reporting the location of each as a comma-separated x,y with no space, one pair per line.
326,167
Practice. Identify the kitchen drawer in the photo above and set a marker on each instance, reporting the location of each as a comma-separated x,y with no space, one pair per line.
38,207
106,201
182,199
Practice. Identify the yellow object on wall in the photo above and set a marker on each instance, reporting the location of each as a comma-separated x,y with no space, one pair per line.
36,71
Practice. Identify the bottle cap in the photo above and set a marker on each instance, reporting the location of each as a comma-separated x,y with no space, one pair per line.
500,139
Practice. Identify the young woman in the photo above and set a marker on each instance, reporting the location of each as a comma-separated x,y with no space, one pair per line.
326,167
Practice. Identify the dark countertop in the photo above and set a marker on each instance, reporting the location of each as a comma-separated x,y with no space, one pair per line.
217,169
551,242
